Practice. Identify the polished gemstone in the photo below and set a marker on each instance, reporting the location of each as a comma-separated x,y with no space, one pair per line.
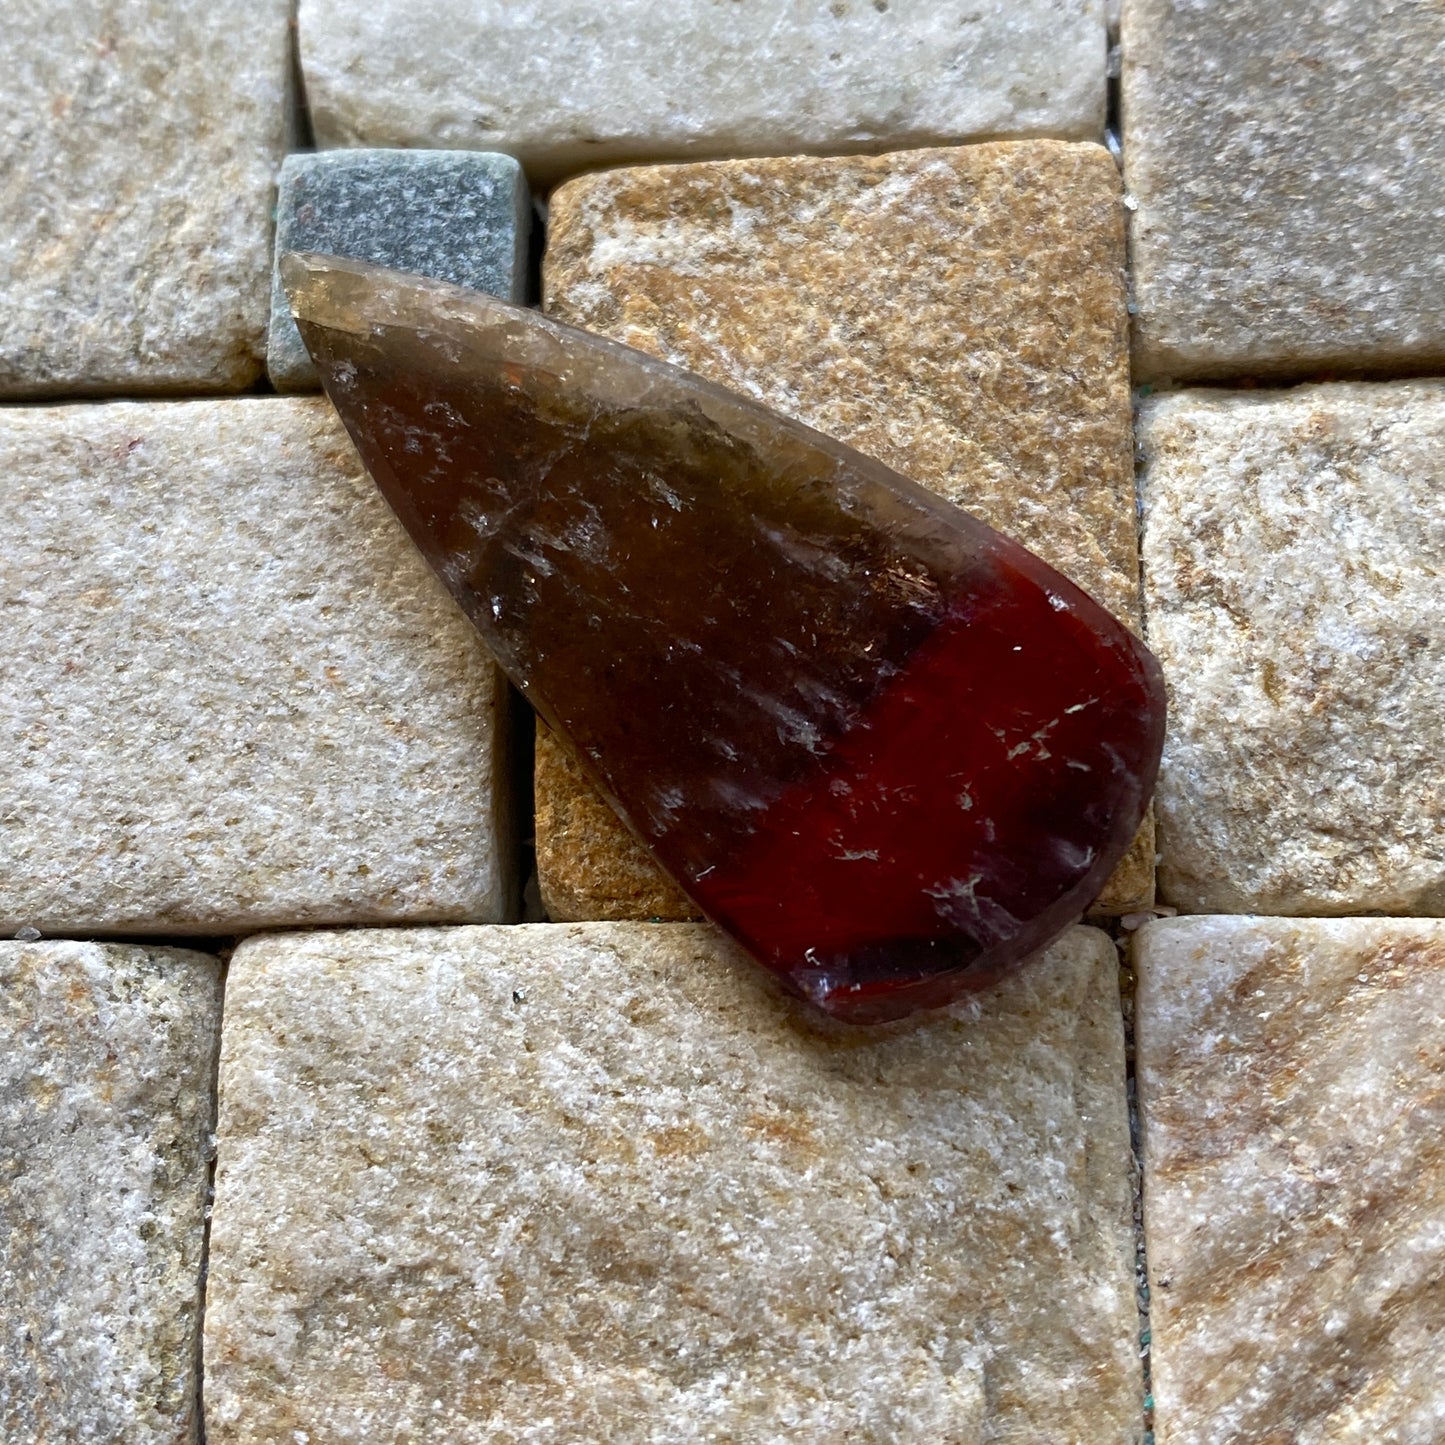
886,748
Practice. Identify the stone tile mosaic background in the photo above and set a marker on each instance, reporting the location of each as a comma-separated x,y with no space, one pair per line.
461,216
1294,544
1290,1081
1287,163
605,1182
240,700
575,83
141,143
563,1181
107,1066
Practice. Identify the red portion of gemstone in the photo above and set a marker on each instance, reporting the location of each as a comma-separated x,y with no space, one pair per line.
887,749
967,778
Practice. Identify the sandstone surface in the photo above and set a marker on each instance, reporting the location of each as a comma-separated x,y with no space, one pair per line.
578,83
107,1058
239,698
1291,1078
589,866
1293,550
552,1182
1288,164
957,313
141,143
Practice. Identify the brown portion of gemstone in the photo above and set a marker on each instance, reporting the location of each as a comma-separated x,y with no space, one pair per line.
958,314
887,749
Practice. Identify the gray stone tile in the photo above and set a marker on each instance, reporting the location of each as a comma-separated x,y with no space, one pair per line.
236,695
1293,549
600,1182
1288,163
460,216
1292,1087
107,1058
582,83
141,143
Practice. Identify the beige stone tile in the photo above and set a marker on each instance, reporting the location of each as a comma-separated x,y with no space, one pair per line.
141,143
1288,162
236,695
583,83
1293,549
602,1182
1292,1085
107,1058
958,314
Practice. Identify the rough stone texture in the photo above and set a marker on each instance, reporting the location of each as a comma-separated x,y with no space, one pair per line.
588,864
141,142
107,1059
1131,885
461,216
1293,551
577,83
601,1182
237,696
1292,1083
958,314
1288,160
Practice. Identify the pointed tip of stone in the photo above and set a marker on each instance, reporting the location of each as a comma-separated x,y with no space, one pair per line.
327,290
300,272
298,267
340,293
303,274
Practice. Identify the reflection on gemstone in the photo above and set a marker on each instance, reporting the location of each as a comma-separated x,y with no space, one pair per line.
887,749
